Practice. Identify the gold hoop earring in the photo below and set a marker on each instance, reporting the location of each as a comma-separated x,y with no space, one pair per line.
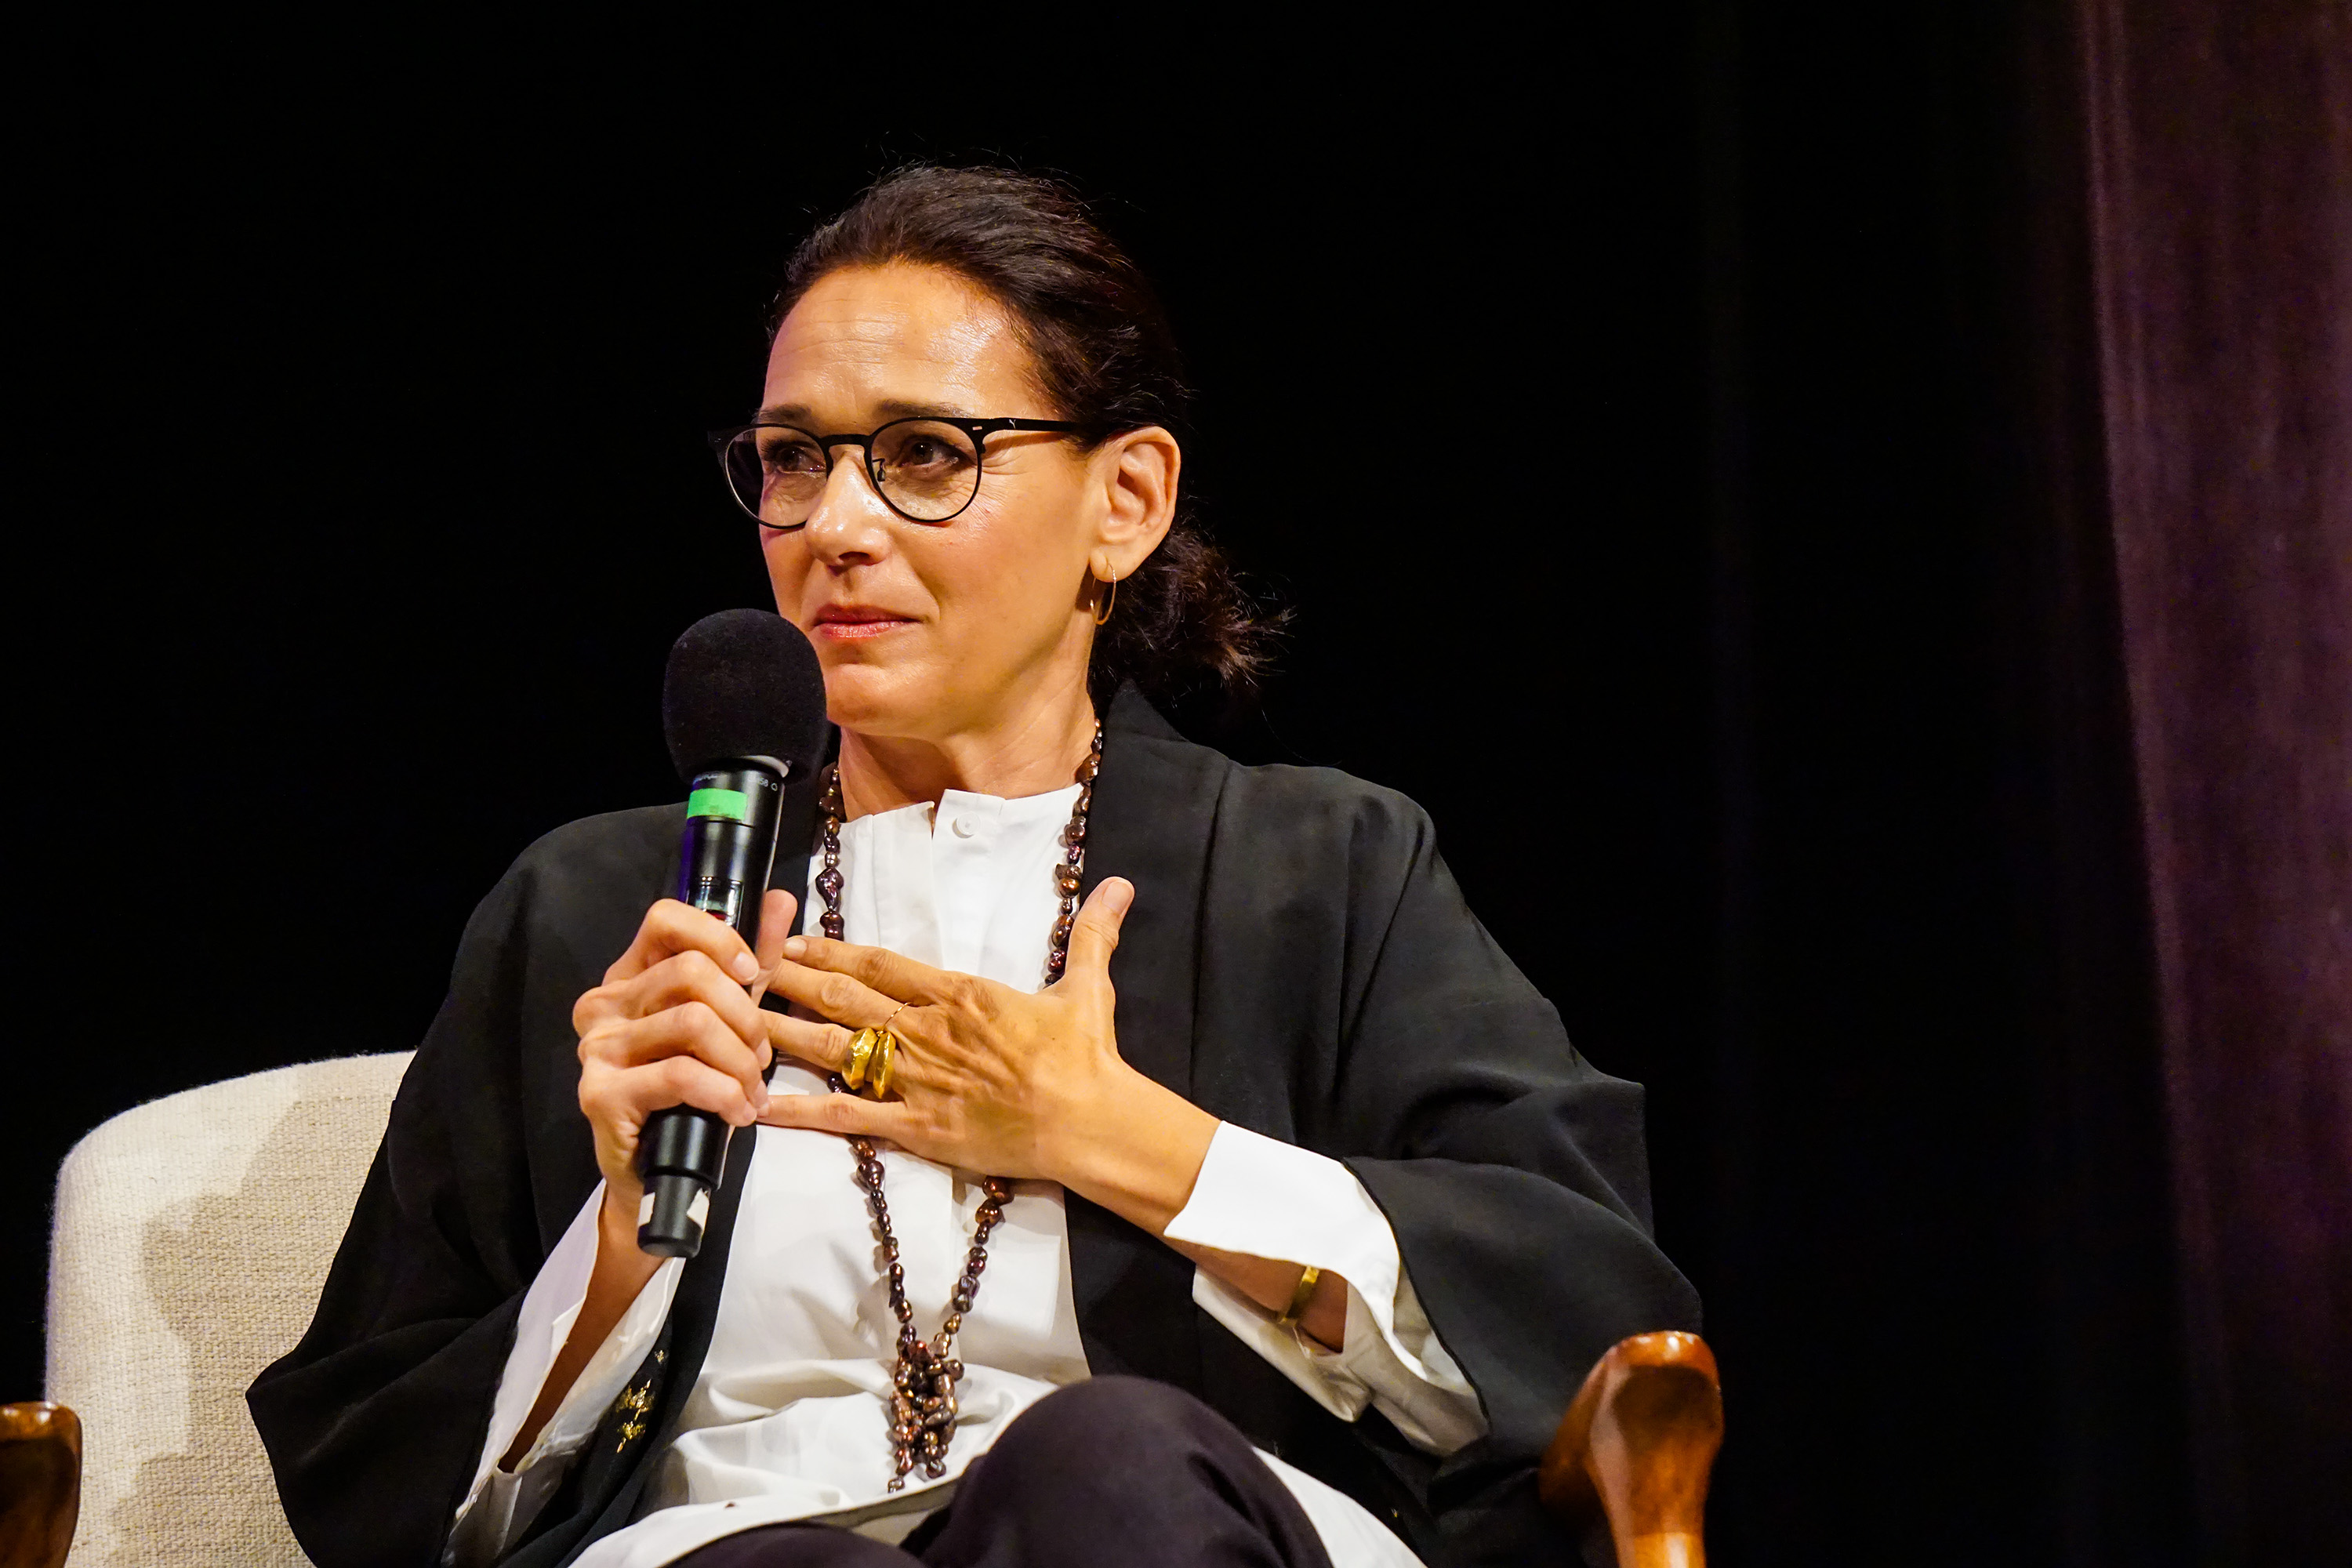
1109,597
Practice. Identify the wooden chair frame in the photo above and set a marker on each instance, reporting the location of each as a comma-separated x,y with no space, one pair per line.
40,1484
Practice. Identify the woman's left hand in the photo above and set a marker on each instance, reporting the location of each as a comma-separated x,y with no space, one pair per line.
1012,1083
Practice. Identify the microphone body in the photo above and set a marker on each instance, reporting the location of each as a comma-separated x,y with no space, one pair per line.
743,712
733,811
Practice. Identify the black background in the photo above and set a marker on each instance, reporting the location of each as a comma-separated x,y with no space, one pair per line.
1649,433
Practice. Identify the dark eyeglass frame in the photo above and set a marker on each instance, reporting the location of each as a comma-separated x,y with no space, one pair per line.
980,430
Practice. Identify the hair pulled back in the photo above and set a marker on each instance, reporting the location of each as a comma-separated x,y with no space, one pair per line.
1102,355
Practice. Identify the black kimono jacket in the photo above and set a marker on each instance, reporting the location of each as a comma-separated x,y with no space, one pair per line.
1297,961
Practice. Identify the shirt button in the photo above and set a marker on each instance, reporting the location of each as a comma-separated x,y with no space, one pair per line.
962,825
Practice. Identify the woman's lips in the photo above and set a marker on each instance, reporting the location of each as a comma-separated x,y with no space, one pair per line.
845,625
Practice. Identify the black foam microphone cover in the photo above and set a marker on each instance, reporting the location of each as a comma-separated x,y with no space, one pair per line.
743,683
743,710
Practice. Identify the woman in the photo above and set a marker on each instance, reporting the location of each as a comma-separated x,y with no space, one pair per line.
1279,1227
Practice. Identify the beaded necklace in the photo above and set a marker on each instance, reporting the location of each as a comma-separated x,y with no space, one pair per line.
923,1383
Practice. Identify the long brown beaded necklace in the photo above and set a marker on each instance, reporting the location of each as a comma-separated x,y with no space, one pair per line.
923,1401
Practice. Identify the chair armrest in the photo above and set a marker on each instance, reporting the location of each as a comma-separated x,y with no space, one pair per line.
1637,1446
40,1484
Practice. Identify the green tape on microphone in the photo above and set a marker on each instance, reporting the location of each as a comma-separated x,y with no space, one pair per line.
732,804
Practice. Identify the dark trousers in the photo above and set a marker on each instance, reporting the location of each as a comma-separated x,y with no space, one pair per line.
1116,1469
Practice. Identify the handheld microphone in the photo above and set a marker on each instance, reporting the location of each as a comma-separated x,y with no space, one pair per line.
743,710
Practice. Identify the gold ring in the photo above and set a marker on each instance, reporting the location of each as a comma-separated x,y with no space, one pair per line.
861,1052
886,1057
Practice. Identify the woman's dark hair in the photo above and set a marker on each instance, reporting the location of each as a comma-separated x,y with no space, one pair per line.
1104,357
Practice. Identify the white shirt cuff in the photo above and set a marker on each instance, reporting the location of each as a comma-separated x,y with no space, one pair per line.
1264,1198
501,1504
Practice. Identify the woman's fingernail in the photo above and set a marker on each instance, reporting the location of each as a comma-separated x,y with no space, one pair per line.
744,967
762,1098
795,946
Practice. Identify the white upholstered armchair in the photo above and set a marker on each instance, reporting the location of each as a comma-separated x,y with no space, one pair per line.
192,1237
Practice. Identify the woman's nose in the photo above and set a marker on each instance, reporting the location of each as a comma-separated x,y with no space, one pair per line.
849,525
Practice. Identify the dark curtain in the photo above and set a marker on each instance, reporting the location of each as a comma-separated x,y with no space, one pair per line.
2221,194
2028,1236
1940,1265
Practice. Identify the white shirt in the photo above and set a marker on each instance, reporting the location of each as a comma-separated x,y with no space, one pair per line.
786,1420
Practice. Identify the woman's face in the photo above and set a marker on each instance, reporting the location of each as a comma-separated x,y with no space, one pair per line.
927,631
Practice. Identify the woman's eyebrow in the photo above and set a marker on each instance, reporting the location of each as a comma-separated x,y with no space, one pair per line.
887,408
896,409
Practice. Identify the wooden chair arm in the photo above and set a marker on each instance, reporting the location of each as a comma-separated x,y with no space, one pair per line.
1637,1446
40,1484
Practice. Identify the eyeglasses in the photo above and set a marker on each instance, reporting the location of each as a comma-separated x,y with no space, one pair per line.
926,471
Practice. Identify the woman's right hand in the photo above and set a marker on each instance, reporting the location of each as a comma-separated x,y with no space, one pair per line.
677,1022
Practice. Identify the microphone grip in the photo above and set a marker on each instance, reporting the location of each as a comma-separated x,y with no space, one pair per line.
680,1154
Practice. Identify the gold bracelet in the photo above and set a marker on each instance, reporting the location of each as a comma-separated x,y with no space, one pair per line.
1299,1297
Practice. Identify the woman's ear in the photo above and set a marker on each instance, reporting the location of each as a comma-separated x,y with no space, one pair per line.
1139,472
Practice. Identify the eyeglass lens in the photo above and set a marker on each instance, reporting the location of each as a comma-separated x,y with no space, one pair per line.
927,471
